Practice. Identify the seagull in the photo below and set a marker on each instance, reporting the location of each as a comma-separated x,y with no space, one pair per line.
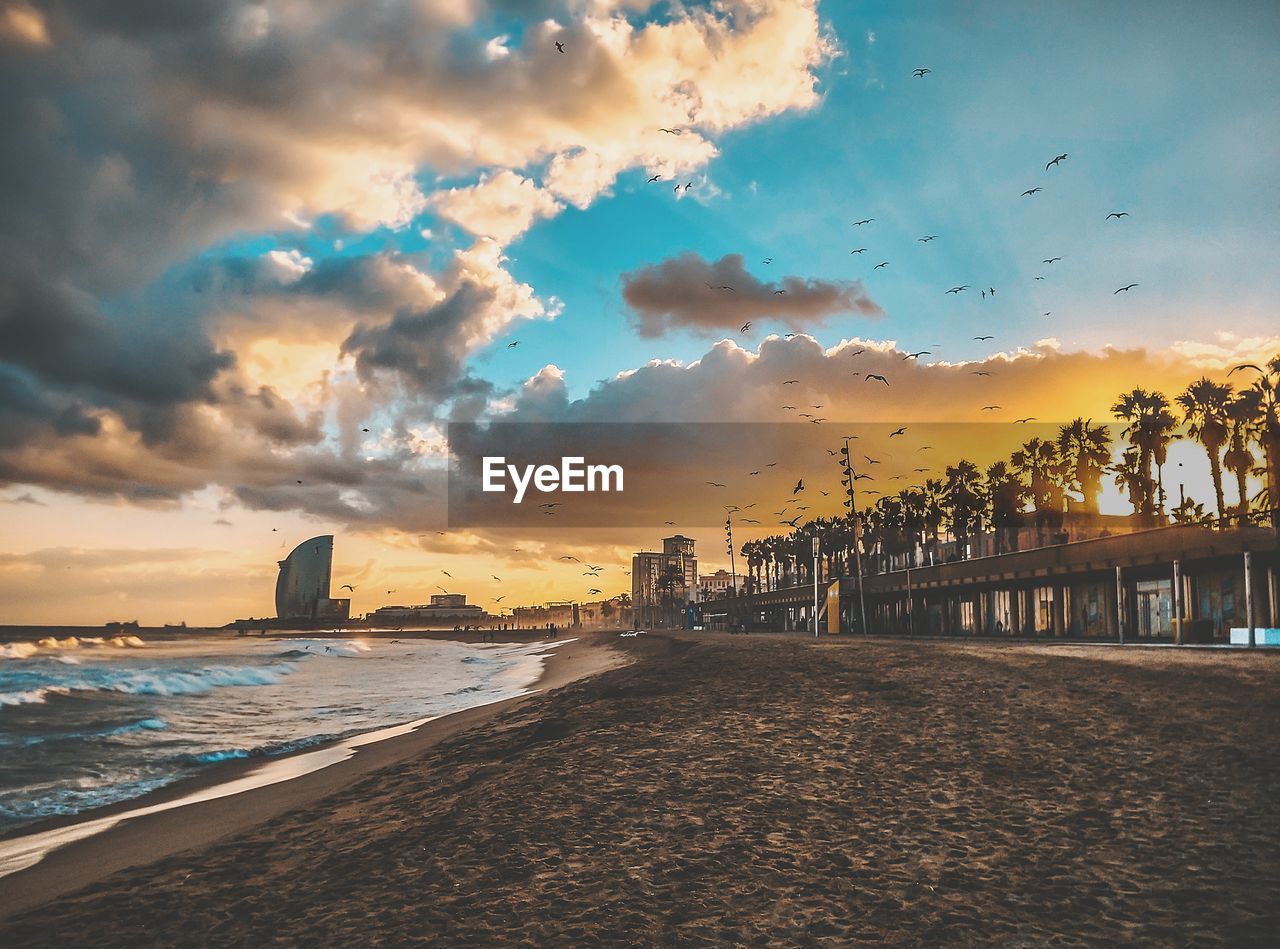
873,375
715,484
1245,365
858,251
655,178
560,46
1117,214
925,239
980,338
871,461
1130,287
589,592
923,352
958,289
347,586
1039,278
566,557
745,326
509,346
884,263
670,131
901,431
1023,421
790,382
988,408
500,599
776,292
1050,260
447,574
767,260
978,372
1030,191
798,488
1060,158
858,353
921,72
863,221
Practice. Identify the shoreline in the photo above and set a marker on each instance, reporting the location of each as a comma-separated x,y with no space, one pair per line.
191,814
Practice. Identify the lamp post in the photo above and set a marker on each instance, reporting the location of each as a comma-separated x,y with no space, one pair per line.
815,586
849,477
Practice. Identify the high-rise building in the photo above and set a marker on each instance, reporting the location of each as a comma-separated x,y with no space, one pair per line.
662,582
302,587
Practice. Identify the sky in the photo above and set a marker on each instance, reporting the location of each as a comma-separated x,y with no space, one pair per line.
254,257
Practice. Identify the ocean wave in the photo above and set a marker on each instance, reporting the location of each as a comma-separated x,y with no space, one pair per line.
32,696
26,650
146,681
327,647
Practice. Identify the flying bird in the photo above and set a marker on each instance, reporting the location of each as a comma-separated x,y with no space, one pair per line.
923,352
1050,260
988,408
745,326
567,557
1023,421
559,46
863,221
715,484
884,263
512,345
958,289
980,372
926,238
589,592
901,431
858,353
1117,214
870,460
921,72
1030,191
447,574
798,488
767,260
347,586
670,131
874,375
858,251
776,292
1129,287
1245,365
790,382
655,178
1059,158
980,338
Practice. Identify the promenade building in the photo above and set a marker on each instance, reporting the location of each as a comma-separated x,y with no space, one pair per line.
302,586
444,610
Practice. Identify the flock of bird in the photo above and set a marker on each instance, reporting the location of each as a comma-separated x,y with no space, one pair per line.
852,476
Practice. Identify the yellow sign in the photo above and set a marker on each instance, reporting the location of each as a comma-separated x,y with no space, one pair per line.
833,607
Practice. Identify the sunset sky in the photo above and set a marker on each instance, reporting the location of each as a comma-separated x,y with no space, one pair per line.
235,236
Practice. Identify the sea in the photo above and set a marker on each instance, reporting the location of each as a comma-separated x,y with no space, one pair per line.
86,722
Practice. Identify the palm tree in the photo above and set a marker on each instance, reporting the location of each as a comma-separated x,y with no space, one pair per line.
965,502
1133,478
1040,463
1086,451
1007,497
1204,408
1268,427
1242,413
1149,429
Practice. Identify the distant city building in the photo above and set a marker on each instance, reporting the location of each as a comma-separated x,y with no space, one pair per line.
563,614
445,609
712,586
302,587
662,582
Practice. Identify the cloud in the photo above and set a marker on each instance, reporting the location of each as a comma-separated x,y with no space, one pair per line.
689,292
500,208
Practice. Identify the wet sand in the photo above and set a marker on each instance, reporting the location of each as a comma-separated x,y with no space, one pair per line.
773,790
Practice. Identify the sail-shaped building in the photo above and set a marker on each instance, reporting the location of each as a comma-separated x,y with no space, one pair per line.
302,588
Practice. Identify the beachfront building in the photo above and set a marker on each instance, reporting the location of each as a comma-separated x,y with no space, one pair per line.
302,586
663,582
712,586
1182,584
445,610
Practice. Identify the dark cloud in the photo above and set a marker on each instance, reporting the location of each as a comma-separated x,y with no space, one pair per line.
688,292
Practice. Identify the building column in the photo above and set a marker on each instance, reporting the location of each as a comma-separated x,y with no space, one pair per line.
1058,611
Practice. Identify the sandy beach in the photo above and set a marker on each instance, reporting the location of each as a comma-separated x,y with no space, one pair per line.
746,790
